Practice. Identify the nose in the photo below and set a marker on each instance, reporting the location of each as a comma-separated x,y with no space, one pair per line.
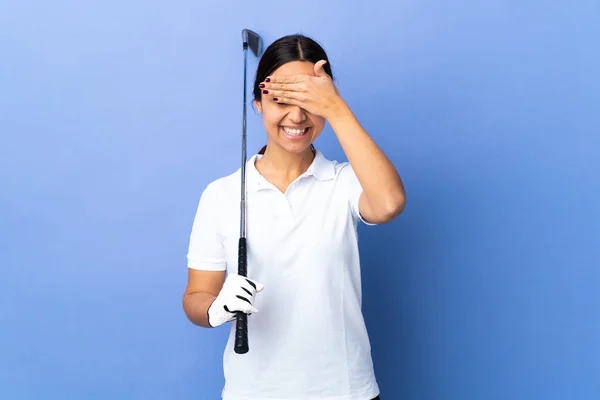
297,114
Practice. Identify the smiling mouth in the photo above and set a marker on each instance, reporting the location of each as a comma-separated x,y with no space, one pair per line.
294,132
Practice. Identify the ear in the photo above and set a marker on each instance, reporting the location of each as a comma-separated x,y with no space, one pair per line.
319,70
258,106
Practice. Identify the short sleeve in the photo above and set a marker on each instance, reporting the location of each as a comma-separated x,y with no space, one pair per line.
354,190
206,251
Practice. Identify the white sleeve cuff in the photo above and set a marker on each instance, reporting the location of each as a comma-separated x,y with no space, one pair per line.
217,265
354,204
354,190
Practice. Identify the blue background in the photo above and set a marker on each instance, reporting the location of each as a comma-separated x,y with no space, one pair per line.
115,115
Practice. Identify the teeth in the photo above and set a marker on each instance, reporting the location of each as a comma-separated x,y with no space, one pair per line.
295,132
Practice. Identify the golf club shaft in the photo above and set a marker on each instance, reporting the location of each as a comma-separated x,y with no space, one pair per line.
243,170
241,329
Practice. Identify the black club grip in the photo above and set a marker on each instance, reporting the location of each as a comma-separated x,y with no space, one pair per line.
241,327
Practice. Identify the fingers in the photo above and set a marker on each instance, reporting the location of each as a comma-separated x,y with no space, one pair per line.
289,101
258,286
237,294
242,305
285,79
287,97
241,291
286,91
251,286
285,87
239,305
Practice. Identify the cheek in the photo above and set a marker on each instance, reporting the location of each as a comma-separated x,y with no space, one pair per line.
273,120
319,124
270,117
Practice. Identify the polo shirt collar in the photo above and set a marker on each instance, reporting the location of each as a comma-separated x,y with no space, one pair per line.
321,168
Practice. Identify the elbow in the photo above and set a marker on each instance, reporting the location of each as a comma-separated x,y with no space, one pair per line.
190,309
400,205
185,303
395,206
389,209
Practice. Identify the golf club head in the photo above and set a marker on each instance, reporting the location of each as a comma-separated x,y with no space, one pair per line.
253,41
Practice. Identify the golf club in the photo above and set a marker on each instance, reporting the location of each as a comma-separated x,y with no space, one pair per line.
253,41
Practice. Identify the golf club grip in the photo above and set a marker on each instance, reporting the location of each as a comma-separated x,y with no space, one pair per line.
241,327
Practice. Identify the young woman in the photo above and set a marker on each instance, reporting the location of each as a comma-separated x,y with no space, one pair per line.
306,330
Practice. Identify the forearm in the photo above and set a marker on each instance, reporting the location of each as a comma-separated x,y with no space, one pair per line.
195,306
378,177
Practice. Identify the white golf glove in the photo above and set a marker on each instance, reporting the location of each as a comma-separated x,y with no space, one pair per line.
237,294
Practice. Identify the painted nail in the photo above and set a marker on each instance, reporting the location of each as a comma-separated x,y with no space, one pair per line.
265,92
262,85
268,80
275,99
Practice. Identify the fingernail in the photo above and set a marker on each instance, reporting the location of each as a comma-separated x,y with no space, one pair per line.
262,85
275,99
265,92
268,80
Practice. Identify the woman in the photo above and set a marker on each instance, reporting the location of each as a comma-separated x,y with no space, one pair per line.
306,331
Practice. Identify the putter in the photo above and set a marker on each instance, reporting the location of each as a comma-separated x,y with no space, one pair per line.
250,40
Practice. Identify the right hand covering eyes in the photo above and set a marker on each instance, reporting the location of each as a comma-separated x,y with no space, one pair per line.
237,294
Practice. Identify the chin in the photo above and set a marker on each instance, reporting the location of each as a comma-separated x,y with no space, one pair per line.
296,148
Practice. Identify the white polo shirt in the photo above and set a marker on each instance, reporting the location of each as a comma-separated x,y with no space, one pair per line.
308,341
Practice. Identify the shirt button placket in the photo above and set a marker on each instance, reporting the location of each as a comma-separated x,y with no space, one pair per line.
289,212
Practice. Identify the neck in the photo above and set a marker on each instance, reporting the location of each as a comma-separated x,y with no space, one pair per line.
282,165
